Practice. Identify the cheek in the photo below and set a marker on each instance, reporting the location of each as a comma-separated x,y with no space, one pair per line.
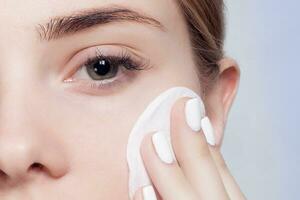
94,133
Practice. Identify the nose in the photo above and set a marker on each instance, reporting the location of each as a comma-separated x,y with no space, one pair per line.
25,157
29,145
17,157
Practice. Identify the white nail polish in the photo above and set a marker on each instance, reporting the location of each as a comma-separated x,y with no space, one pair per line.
149,193
193,114
208,131
162,147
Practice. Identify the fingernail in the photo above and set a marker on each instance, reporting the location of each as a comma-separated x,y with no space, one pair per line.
193,114
162,147
149,193
208,131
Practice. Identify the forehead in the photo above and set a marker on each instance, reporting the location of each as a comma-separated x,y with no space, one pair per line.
25,14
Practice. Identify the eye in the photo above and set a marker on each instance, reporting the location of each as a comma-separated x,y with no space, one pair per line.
104,72
101,69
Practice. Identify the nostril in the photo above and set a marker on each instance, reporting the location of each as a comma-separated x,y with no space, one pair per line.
36,167
2,174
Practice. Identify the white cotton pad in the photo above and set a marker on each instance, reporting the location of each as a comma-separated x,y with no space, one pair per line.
156,117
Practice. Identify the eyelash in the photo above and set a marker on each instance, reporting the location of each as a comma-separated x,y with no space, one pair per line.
123,60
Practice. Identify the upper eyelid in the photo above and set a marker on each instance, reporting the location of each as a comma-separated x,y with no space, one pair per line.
119,57
98,52
81,56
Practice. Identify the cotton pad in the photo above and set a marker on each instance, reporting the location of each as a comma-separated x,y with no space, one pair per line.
156,117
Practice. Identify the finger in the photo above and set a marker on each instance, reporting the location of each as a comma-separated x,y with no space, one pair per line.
166,175
192,151
139,194
146,193
231,185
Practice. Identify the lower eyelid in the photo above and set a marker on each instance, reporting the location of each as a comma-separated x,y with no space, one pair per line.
90,88
97,87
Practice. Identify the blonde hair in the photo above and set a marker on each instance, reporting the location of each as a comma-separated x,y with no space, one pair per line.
205,20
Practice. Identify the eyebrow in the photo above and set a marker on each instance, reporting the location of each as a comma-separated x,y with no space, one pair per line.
61,26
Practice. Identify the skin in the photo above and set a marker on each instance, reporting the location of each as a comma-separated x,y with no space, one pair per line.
79,135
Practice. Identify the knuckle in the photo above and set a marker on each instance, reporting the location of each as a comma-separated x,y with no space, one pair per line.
204,152
178,106
222,165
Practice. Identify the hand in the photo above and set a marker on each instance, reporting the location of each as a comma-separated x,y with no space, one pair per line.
199,172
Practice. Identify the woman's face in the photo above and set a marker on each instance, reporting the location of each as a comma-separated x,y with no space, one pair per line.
64,125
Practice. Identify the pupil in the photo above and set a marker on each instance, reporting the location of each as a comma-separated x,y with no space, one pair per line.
102,67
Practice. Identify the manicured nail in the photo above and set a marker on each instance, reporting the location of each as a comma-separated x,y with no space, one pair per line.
149,193
208,131
193,114
162,147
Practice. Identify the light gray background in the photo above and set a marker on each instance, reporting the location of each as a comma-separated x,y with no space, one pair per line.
261,143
